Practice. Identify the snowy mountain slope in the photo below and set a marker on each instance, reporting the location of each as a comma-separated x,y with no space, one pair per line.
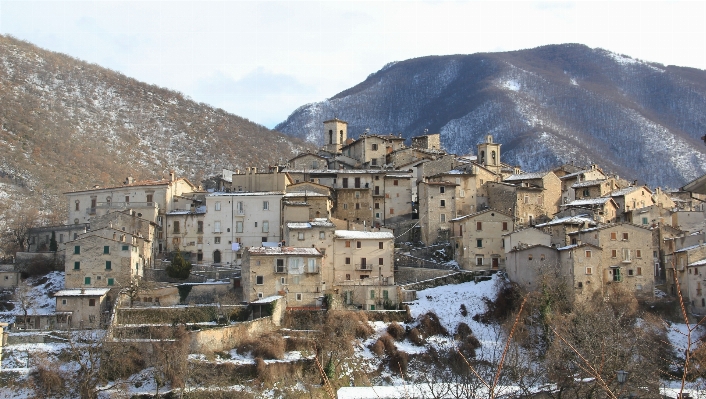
67,125
547,106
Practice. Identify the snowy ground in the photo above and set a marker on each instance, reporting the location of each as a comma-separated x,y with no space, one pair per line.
37,290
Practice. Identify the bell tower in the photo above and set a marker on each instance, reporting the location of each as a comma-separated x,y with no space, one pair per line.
489,154
335,135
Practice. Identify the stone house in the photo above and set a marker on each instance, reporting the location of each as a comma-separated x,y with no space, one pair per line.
560,227
236,220
308,161
186,233
570,174
627,254
689,220
437,206
363,255
586,189
252,180
525,203
470,192
527,264
696,279
9,277
631,198
584,270
525,237
392,200
427,142
550,198
294,273
478,239
306,201
677,265
318,233
85,307
370,150
95,261
39,238
147,199
602,210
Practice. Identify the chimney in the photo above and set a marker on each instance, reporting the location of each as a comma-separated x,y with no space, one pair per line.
172,175
129,180
254,170
247,170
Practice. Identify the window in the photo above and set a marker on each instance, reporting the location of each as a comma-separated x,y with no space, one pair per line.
322,235
265,205
645,220
77,265
381,245
345,182
92,302
87,281
357,194
374,161
356,182
111,281
299,297
259,280
363,263
63,301
392,211
283,280
631,272
345,206
381,261
265,226
348,261
216,240
442,218
106,249
479,261
626,255
199,228
108,265
149,198
589,270
372,294
479,225
504,226
374,147
348,276
78,204
127,199
238,227
588,254
625,236
77,249
614,253
395,183
526,199
529,257
279,266
176,227
358,244
638,271
613,236
218,205
616,275
348,244
442,203
377,205
638,253
239,208
385,295
357,205
479,243
300,236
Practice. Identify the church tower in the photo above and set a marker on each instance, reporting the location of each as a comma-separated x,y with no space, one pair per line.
335,135
489,154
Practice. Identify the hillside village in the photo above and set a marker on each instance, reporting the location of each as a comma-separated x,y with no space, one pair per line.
357,225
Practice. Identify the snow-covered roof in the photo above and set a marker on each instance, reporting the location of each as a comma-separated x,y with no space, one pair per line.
295,226
318,222
526,176
197,211
304,194
245,193
701,262
588,201
83,292
588,183
624,191
689,248
268,299
304,251
567,247
362,235
568,220
479,213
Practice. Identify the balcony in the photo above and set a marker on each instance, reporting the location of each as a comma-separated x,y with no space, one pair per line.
124,205
363,267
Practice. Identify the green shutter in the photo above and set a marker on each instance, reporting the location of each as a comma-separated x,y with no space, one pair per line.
126,248
106,249
372,294
111,281
385,295
87,281
77,249
107,265
77,265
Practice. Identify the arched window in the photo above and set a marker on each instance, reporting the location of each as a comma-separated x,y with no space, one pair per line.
492,155
482,156
330,136
216,256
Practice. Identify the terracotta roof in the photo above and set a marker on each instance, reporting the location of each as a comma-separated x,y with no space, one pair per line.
141,183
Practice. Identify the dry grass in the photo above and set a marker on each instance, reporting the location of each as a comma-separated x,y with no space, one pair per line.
268,346
396,331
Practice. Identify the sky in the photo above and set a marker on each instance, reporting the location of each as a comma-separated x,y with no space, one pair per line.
264,59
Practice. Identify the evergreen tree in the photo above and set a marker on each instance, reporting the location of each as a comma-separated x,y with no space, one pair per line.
179,268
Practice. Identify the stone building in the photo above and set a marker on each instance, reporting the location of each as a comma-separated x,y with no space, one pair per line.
427,142
335,135
478,239
602,210
95,261
317,233
630,198
370,150
437,206
84,307
560,227
294,273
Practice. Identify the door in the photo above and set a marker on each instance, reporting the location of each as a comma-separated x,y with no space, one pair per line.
495,263
216,256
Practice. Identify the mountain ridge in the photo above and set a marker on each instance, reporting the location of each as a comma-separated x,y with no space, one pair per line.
548,105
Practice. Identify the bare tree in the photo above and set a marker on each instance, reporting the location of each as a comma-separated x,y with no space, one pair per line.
25,300
18,225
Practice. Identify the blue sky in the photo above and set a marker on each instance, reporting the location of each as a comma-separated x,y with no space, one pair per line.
263,59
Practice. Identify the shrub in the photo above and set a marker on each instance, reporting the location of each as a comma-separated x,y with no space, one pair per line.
399,362
270,346
396,331
429,324
180,268
49,380
464,311
363,329
378,348
388,343
468,346
416,337
463,330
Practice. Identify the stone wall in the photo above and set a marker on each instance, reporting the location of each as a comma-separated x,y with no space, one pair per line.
229,337
456,278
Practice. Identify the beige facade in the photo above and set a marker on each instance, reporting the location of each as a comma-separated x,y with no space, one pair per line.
528,265
526,204
478,239
370,150
525,237
319,234
335,135
630,198
186,233
94,261
239,219
427,142
149,200
470,193
627,255
395,191
87,308
560,227
253,181
594,173
696,282
585,272
602,210
294,273
489,155
437,206
585,189
308,161
9,278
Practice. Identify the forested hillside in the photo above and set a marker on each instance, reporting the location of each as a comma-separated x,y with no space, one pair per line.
547,106
67,125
